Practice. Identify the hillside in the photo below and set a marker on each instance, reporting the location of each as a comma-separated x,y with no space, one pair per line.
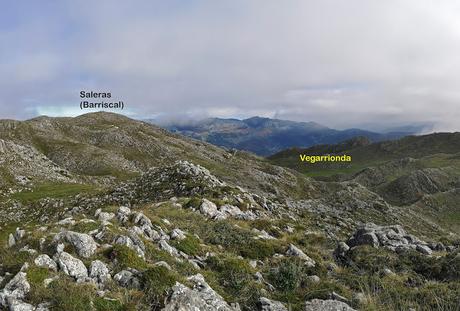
264,136
418,171
101,212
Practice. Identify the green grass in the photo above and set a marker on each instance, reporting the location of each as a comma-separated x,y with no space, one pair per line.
53,190
126,257
190,245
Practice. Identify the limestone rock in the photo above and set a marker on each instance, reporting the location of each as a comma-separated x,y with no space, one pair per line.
208,208
127,279
71,265
99,272
266,304
46,262
201,297
391,237
135,244
177,234
17,288
327,305
297,252
83,243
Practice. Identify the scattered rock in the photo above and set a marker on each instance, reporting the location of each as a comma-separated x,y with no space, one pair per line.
313,278
123,214
208,208
163,264
137,245
17,305
11,240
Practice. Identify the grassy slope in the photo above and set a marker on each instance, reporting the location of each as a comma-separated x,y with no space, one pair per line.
369,154
106,144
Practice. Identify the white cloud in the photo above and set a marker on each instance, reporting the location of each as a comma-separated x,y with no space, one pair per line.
341,63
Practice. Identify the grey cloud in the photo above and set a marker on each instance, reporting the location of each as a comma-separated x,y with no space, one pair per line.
341,63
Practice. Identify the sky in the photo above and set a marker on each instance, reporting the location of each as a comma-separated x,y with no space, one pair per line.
357,63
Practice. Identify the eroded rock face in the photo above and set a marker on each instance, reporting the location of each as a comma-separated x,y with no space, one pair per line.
327,305
394,238
71,265
201,297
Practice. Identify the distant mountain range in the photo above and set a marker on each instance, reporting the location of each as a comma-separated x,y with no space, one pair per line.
265,136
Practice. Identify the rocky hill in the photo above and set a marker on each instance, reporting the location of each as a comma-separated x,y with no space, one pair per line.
101,212
421,172
265,136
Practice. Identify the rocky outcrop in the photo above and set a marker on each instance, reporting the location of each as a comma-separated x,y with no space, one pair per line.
394,238
201,297
410,188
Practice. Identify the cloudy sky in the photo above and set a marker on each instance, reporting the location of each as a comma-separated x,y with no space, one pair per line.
367,63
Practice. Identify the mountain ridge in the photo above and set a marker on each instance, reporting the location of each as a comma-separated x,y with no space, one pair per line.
265,136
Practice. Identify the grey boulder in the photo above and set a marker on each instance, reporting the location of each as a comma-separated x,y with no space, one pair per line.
71,266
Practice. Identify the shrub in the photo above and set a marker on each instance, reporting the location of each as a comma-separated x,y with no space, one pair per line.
260,249
229,236
235,278
194,202
287,275
372,260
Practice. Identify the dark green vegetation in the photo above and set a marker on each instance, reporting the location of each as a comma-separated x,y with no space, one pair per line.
264,136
